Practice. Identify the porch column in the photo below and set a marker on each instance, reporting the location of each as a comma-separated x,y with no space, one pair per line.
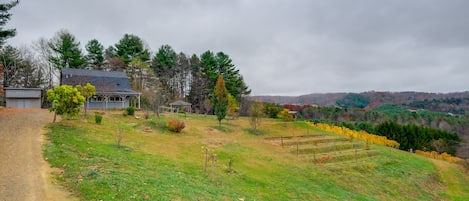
106,99
123,101
138,101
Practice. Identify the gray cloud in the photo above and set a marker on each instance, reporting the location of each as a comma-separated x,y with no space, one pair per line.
284,47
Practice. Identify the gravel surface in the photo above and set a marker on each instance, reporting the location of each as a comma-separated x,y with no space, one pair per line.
24,174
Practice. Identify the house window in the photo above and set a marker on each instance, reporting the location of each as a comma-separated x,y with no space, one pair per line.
115,99
96,99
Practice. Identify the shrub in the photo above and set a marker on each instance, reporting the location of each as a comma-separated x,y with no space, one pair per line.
98,118
130,110
176,126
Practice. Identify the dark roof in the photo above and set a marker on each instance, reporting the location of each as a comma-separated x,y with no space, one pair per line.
106,82
180,102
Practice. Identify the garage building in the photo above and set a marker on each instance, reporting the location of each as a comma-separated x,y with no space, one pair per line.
23,97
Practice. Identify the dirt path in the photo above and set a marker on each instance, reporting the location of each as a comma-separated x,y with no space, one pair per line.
24,175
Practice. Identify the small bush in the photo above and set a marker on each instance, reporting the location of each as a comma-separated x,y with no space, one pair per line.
98,118
176,126
130,110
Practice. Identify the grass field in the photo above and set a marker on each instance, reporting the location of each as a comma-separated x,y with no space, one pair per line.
155,164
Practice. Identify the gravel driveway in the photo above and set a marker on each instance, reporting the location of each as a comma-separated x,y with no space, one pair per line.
24,175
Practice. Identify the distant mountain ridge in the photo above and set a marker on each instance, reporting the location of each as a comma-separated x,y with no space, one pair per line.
377,98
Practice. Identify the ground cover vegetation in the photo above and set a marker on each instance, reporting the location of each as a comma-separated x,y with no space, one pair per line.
130,158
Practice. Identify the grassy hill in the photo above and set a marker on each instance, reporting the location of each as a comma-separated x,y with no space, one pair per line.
288,161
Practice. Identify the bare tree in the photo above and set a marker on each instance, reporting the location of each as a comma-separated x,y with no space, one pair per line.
44,52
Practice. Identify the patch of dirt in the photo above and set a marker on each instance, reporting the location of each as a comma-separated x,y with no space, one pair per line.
25,175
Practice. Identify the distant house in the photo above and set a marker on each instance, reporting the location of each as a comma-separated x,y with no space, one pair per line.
112,88
23,97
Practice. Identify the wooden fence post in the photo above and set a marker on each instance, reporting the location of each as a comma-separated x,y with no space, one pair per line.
314,156
281,138
356,156
297,151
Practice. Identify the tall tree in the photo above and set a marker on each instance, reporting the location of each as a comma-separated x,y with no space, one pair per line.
20,68
137,72
220,100
4,18
182,72
198,84
163,66
1,79
95,56
10,59
130,47
67,52
44,52
29,74
221,65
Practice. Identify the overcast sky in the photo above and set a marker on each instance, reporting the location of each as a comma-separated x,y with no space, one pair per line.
283,47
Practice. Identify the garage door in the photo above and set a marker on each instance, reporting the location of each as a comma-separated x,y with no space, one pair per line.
24,103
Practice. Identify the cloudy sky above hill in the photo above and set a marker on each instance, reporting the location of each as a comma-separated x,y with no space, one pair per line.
283,47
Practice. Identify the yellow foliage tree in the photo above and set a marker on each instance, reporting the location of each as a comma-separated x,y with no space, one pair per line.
362,135
285,115
233,107
86,91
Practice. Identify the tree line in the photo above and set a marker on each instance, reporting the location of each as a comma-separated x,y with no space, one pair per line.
161,76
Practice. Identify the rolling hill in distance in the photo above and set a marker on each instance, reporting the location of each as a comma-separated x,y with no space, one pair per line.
377,98
449,110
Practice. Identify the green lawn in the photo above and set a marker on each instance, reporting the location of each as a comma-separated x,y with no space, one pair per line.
154,164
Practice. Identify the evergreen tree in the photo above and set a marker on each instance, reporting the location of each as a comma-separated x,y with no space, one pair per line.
221,65
198,85
11,57
4,18
354,101
95,56
67,51
163,66
130,47
20,68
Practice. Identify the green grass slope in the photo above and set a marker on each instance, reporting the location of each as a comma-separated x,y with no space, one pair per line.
154,164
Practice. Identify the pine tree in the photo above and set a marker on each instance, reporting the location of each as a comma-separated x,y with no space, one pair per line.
130,47
4,17
95,56
67,51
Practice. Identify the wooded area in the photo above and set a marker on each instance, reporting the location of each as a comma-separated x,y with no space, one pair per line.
160,76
